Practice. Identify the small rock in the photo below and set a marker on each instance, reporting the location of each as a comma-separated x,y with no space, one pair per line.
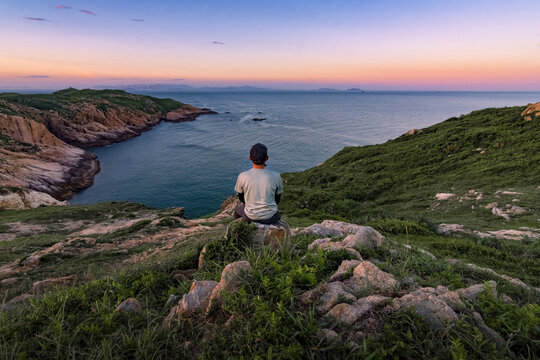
315,244
491,206
444,196
171,300
183,275
38,285
131,305
346,314
31,261
499,212
196,300
271,235
9,281
473,291
366,236
367,276
231,279
332,294
20,298
479,197
332,228
429,305
343,269
327,335
517,210
201,257
507,299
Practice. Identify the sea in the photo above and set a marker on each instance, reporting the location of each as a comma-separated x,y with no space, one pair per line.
195,164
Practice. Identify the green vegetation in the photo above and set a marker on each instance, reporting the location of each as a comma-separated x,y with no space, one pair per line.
486,150
61,100
265,318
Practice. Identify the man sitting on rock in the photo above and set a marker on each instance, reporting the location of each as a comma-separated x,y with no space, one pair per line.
259,190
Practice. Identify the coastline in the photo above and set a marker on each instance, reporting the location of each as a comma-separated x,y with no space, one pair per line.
43,149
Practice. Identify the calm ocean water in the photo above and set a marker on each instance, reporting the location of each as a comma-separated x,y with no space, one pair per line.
195,164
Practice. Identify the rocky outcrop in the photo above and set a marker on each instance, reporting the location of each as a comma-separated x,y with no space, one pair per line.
42,151
269,235
532,111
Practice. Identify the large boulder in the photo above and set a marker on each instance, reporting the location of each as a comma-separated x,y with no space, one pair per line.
344,269
231,279
368,277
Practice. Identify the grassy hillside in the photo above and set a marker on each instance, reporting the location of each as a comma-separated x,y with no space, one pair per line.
61,100
484,151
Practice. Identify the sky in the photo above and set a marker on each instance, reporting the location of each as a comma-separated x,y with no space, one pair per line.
284,44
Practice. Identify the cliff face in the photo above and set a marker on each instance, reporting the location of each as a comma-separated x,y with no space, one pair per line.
41,135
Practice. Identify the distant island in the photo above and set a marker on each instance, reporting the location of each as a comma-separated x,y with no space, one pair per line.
43,136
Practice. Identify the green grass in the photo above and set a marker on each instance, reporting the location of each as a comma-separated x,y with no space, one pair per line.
399,179
264,319
59,100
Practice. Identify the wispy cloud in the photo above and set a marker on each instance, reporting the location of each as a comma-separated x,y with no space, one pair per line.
177,79
218,43
34,77
137,20
35,18
87,12
63,7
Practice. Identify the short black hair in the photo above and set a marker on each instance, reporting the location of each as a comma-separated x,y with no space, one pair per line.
258,154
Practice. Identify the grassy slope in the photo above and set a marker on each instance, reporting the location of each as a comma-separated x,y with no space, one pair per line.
60,100
400,177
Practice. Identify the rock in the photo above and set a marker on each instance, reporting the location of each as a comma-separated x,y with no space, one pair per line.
184,275
270,235
344,269
27,199
491,205
332,294
332,228
429,305
315,244
488,332
367,276
171,300
532,111
412,132
31,261
130,305
9,281
201,257
425,252
499,212
13,303
327,335
444,196
473,291
365,236
231,278
517,210
43,284
196,300
348,314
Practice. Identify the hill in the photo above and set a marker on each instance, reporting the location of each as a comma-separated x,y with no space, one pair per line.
487,156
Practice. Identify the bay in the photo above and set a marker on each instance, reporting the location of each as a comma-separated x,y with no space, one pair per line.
195,164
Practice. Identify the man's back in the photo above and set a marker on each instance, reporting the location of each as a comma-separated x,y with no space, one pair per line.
259,187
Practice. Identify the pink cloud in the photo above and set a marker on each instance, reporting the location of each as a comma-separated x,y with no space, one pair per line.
62,7
87,12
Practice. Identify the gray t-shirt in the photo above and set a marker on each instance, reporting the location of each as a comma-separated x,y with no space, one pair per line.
259,187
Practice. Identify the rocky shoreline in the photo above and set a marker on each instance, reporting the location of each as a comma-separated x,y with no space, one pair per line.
42,150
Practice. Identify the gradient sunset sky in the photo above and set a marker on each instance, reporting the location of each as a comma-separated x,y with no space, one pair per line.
294,44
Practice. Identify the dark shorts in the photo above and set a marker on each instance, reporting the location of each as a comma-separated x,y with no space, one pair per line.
239,213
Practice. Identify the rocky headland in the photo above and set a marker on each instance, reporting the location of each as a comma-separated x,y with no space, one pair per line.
43,136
